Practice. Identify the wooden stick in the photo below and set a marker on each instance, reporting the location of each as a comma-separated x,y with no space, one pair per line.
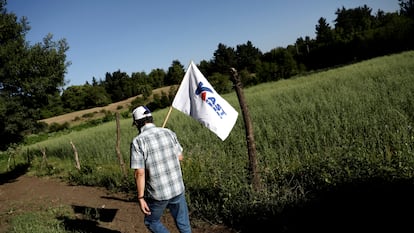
168,116
118,145
251,145
44,160
76,156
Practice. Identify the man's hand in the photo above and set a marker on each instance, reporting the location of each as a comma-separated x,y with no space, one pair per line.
144,207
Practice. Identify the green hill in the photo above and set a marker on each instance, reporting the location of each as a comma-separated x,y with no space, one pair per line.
314,135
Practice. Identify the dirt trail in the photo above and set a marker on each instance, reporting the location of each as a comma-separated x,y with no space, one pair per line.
114,212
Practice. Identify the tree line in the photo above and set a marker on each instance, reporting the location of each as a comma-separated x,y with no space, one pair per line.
32,76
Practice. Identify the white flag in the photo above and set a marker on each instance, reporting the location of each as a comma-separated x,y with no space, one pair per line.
198,99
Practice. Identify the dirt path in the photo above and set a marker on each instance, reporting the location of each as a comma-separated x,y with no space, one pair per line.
117,212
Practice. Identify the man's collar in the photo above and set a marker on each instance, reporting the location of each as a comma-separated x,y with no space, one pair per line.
147,126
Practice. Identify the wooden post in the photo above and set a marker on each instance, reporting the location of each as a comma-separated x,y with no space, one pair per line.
118,145
44,158
13,151
251,146
11,155
77,165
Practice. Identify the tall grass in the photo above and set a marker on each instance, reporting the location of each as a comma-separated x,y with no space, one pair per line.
312,133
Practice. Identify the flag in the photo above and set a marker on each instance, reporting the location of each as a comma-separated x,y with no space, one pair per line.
198,99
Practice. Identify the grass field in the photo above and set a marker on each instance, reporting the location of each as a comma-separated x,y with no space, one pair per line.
313,134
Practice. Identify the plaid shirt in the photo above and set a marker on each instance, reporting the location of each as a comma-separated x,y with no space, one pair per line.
156,149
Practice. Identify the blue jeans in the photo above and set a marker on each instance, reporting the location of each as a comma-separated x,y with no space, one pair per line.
178,209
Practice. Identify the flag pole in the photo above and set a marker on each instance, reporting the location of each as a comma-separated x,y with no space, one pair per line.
168,116
169,111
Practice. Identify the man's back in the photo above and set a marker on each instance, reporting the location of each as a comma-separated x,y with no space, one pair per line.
157,150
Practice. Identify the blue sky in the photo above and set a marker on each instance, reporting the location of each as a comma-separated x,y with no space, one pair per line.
137,35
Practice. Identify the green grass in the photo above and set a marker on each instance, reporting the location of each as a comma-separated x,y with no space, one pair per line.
45,221
313,133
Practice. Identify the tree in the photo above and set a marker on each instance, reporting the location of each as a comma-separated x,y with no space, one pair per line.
407,8
54,107
175,73
221,82
96,96
284,65
206,67
73,98
30,75
350,22
323,32
94,82
139,78
86,96
248,57
118,85
156,78
224,58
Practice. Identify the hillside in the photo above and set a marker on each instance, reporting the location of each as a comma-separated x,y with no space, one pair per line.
333,147
78,117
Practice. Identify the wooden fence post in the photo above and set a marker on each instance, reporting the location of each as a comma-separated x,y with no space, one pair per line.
12,152
77,165
118,145
44,158
251,146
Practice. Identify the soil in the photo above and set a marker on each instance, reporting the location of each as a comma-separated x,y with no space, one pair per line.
107,211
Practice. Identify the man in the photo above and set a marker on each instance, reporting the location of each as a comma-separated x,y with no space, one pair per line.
155,156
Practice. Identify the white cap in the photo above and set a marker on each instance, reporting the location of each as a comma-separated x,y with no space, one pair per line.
140,113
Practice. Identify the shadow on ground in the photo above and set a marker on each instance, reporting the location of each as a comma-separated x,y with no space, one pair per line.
84,225
364,207
88,219
97,214
13,174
